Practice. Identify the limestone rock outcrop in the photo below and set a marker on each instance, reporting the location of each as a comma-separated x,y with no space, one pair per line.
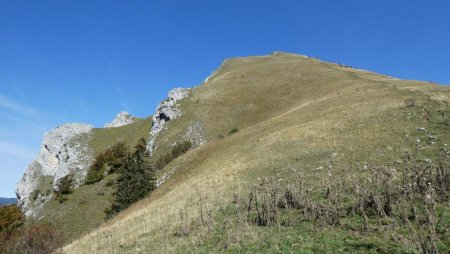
167,110
64,152
121,119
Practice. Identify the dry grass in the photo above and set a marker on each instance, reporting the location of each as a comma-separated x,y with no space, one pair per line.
293,112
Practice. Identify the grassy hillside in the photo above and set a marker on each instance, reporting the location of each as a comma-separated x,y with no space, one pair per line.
292,115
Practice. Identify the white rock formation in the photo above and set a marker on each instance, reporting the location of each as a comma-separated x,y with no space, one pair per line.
64,151
122,118
167,110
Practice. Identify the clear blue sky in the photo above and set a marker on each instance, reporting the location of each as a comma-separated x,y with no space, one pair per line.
84,61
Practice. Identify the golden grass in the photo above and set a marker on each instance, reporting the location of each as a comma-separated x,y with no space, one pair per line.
292,112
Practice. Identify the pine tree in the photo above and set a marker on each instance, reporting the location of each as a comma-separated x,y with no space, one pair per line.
136,180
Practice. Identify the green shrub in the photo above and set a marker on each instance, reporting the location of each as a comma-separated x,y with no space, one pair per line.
234,130
61,198
9,215
65,185
177,150
94,176
181,148
107,162
35,237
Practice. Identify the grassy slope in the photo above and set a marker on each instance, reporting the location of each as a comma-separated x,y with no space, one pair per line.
84,209
293,112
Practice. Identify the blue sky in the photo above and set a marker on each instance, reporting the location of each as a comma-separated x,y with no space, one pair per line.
84,61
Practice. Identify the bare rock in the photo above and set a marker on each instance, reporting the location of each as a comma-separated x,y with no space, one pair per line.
121,119
167,110
64,151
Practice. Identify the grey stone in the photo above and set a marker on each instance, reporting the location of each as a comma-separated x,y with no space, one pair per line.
167,110
123,118
64,151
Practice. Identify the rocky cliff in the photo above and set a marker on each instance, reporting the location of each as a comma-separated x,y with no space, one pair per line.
64,151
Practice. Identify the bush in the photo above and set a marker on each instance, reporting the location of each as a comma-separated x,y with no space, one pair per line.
107,162
177,150
61,198
234,130
64,188
34,238
10,216
65,185
181,148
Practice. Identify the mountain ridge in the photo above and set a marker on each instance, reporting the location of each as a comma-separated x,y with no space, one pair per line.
255,117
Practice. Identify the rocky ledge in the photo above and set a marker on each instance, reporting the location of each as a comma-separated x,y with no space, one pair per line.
121,119
167,110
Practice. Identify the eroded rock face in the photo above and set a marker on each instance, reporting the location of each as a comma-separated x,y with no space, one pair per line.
121,119
64,151
167,110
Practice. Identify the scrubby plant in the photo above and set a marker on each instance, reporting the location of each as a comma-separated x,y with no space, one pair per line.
9,216
234,130
65,185
407,197
177,150
107,162
34,237
409,200
61,198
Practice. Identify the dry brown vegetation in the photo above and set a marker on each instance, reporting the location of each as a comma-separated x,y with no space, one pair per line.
20,236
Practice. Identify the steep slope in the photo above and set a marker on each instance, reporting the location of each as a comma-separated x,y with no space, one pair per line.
277,115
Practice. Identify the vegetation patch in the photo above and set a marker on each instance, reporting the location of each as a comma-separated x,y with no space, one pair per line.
177,150
136,179
107,162
409,202
234,130
18,235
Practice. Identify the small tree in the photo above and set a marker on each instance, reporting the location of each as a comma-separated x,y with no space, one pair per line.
136,179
